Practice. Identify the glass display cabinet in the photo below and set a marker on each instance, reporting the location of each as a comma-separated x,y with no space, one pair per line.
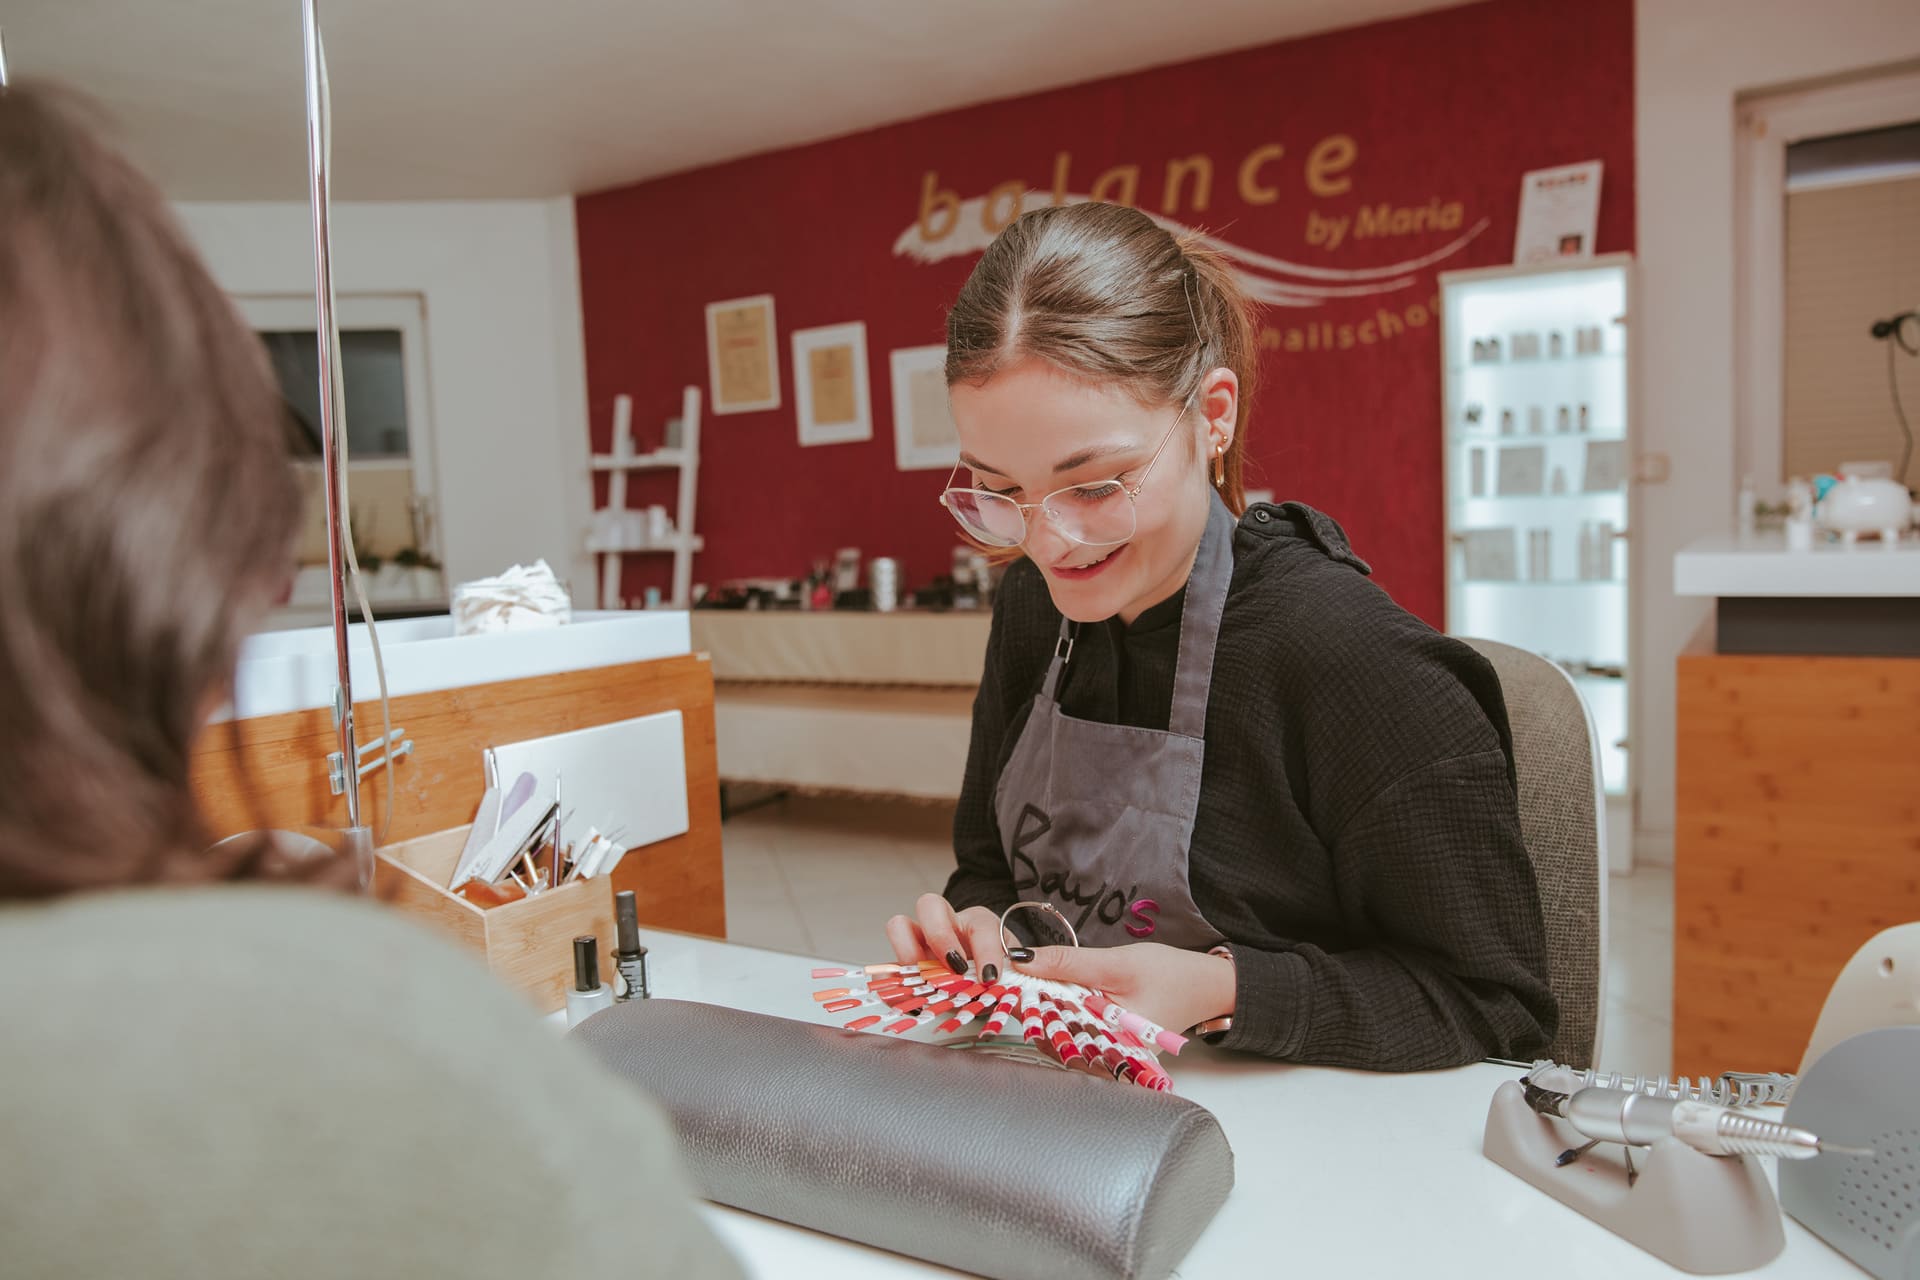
1538,453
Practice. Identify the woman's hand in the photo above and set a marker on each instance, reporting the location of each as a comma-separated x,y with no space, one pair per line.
1162,984
935,932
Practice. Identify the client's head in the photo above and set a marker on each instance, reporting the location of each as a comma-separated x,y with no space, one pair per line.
147,509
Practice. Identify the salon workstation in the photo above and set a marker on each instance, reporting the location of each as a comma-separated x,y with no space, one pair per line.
864,641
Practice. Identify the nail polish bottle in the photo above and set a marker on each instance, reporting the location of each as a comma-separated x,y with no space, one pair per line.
629,956
589,995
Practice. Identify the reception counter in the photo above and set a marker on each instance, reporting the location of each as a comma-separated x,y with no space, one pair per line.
845,702
1797,800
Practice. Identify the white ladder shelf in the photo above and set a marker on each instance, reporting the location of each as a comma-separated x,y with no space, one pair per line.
614,543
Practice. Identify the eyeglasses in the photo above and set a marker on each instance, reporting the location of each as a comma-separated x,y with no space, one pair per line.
1099,513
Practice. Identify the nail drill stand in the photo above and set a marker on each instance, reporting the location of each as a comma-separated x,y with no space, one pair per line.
1710,1215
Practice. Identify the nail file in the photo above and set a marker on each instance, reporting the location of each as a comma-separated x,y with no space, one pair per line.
515,830
484,823
518,794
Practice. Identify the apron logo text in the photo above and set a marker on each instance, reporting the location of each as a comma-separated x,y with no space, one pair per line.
1112,904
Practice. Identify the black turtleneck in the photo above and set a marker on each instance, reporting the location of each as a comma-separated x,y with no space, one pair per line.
1357,839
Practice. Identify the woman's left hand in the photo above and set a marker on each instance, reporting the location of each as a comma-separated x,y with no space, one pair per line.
1162,984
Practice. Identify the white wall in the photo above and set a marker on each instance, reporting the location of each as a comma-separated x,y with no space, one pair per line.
1693,57
505,359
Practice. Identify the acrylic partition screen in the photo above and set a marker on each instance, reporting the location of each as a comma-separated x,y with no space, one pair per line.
1537,454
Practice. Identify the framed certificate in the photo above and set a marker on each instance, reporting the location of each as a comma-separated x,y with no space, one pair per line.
924,437
743,366
830,384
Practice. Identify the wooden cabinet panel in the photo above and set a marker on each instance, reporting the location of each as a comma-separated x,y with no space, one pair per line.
1797,838
271,771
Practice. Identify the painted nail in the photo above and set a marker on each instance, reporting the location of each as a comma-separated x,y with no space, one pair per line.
990,974
956,962
1020,955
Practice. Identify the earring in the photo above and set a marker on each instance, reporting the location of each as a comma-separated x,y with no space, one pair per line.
1220,466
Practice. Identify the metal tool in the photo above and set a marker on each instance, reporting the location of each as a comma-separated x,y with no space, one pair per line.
1640,1120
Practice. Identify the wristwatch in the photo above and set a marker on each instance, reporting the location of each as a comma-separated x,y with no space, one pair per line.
1214,1030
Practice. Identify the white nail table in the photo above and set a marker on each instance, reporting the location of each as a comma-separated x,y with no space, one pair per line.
1337,1173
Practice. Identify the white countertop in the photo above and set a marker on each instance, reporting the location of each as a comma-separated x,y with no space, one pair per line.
1336,1173
1722,564
284,671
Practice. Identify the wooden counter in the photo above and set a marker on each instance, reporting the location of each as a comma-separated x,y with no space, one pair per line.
1797,838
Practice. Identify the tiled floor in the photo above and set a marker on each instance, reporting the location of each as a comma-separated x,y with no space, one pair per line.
819,877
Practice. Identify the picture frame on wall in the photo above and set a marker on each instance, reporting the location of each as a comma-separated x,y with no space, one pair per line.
830,384
743,364
924,437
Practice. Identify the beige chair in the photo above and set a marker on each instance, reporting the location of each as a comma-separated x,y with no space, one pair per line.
1563,821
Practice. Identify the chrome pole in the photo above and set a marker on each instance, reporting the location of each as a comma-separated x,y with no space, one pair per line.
3,58
332,427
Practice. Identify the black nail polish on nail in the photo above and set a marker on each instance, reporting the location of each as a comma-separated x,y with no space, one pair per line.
956,962
990,974
1020,955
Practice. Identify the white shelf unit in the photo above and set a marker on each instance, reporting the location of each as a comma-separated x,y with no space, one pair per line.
1545,570
613,544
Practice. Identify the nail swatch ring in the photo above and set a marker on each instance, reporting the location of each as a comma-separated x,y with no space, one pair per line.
1010,943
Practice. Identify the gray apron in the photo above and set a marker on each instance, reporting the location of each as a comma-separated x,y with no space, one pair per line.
1098,818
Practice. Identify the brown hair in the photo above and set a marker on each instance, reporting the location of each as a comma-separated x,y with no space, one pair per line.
147,510
1105,292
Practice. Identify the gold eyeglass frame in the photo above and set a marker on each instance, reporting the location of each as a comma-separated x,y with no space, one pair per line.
1026,522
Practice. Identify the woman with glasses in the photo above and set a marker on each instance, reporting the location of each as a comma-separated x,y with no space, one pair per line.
1271,805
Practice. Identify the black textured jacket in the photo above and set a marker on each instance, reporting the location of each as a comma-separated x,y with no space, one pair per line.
1357,839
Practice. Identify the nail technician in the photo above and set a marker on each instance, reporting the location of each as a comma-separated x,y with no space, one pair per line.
1274,806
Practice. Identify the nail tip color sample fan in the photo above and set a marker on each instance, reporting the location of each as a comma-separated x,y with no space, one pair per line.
1072,1025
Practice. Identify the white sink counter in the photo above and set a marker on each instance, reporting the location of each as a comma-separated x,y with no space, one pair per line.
284,671
1725,565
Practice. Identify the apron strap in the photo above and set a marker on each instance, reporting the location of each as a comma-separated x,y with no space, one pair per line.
1200,622
1057,669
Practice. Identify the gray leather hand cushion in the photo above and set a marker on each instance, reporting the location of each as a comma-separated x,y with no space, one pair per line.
958,1157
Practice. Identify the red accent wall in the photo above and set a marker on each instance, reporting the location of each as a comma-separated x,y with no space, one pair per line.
1447,108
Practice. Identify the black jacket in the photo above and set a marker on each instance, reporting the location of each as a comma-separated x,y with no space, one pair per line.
1357,839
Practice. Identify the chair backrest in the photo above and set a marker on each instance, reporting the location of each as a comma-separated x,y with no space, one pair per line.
1556,758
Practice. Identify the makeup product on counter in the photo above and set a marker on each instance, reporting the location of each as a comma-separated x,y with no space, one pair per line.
1563,420
846,569
883,579
588,995
629,956
1536,420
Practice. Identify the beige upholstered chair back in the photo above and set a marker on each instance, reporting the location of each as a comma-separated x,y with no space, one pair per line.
1562,819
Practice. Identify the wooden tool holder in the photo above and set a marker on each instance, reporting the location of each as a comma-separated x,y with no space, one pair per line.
527,943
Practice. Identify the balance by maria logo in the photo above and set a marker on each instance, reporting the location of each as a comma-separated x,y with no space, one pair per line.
1370,304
